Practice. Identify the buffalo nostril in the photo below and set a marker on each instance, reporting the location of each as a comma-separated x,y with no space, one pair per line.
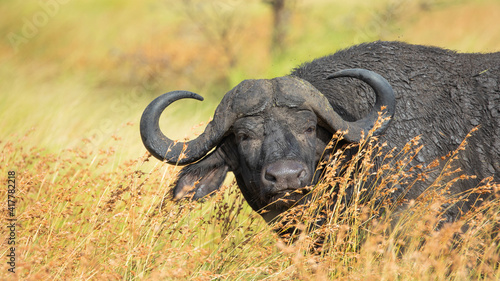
269,177
302,175
285,174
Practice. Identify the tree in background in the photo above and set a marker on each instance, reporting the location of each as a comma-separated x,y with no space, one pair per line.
281,18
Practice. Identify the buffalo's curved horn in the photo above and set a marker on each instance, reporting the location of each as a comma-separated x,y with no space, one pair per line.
385,102
181,153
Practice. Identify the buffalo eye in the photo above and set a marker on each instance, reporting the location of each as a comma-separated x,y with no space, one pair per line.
310,129
242,137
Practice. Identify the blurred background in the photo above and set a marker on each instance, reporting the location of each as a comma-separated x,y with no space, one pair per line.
79,72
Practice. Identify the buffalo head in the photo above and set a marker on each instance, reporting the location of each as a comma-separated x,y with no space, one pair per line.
270,133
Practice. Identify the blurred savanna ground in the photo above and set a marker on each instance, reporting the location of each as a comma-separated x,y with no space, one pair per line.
75,77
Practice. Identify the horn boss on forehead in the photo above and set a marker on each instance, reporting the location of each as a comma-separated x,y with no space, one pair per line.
251,97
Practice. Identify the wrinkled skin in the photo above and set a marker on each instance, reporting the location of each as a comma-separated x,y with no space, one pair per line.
273,148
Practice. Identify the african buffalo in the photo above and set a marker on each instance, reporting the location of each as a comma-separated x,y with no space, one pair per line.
271,133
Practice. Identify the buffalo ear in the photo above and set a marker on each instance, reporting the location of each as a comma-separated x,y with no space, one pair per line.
202,178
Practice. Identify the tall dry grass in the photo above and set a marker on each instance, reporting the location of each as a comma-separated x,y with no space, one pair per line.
78,219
